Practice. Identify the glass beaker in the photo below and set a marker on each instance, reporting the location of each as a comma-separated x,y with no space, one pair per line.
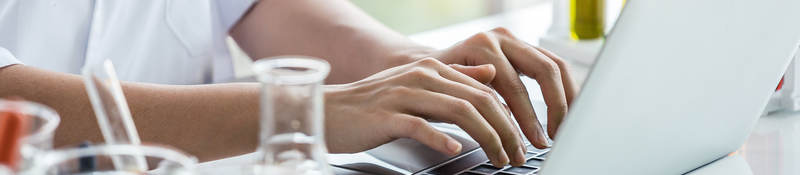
99,160
5,170
292,117
40,123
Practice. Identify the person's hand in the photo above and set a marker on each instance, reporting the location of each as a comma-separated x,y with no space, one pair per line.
399,102
511,56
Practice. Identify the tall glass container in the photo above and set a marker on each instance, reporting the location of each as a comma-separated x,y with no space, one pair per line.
292,116
587,19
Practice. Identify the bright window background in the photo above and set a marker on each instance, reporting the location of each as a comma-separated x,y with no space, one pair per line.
409,17
412,16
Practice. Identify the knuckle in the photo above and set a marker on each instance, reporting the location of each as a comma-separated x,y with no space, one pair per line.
487,90
428,61
412,124
483,38
558,109
518,88
419,73
559,62
509,135
484,98
502,30
550,68
461,106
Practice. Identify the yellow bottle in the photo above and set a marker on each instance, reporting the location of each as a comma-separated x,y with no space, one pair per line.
587,19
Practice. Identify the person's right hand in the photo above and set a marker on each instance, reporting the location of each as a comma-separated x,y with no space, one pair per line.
398,103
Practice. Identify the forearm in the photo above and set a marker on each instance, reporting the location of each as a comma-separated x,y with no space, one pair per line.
355,44
208,121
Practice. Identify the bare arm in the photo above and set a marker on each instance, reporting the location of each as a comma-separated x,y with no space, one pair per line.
357,46
354,43
208,121
214,121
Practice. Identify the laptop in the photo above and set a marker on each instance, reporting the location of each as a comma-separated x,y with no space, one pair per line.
678,84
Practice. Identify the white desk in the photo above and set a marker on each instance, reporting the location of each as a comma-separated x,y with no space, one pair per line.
773,147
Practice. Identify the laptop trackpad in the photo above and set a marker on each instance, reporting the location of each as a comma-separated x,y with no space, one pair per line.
414,156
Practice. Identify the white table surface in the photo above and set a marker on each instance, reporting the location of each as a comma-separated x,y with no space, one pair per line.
772,148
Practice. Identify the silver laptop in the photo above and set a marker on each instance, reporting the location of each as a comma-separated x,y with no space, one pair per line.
678,84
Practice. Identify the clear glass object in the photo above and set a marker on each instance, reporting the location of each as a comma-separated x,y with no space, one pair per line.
5,170
292,116
99,160
112,112
41,123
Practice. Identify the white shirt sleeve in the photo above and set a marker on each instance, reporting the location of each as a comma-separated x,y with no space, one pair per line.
230,11
6,58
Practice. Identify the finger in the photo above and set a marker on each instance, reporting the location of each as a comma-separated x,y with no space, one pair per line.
545,71
508,110
483,98
514,92
442,107
416,128
570,88
518,153
519,136
508,85
484,101
483,73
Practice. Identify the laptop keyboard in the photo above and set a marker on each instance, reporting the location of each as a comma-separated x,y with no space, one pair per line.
534,159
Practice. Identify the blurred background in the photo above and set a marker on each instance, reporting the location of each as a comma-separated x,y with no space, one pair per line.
410,16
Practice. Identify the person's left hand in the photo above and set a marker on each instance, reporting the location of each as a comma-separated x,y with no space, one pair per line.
511,56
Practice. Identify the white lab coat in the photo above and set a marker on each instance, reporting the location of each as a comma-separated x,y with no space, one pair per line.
155,41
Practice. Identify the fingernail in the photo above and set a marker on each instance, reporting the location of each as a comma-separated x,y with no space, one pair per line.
543,139
454,146
503,157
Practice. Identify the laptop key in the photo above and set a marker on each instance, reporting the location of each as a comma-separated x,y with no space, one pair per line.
532,149
470,173
459,165
504,173
488,169
534,163
543,155
520,170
